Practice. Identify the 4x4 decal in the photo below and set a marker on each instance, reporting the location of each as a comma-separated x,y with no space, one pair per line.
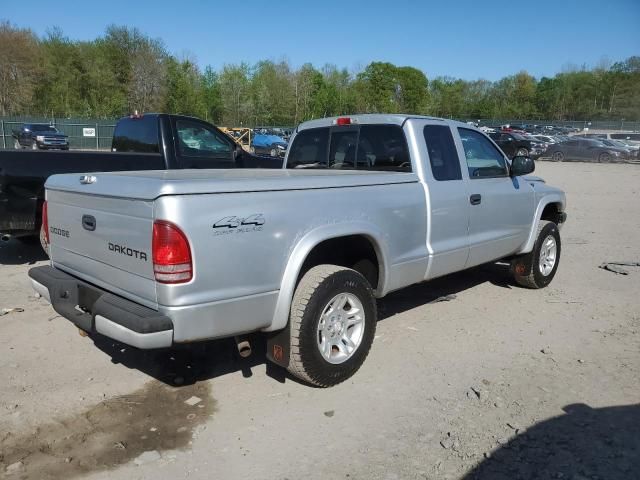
233,224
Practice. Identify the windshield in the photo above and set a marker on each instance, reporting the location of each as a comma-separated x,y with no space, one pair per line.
42,128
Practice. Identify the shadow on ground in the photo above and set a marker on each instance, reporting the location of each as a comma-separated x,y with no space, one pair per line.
188,364
584,444
25,251
444,288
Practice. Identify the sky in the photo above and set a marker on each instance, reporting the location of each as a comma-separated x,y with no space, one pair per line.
460,38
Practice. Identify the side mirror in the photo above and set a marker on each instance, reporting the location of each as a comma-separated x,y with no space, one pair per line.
522,166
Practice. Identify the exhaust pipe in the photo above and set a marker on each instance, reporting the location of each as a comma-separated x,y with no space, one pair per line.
6,237
244,346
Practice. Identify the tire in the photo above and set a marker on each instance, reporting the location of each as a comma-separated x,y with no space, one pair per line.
557,156
34,146
322,288
522,152
43,241
604,157
528,270
273,152
16,144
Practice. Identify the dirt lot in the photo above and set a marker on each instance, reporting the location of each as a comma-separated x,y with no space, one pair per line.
500,382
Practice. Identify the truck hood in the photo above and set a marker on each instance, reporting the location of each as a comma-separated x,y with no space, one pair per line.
533,178
50,134
151,184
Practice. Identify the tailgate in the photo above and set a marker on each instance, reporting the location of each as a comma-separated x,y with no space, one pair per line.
105,241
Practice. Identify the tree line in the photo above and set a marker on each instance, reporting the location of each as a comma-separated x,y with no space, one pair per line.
125,70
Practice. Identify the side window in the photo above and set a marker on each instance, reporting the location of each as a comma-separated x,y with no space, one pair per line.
196,140
483,158
136,135
443,156
309,149
383,148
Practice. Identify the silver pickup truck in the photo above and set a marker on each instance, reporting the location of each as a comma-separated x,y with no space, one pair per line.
364,205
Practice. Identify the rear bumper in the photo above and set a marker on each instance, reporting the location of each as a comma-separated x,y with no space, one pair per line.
95,310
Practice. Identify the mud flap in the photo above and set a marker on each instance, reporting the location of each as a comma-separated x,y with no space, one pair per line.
278,344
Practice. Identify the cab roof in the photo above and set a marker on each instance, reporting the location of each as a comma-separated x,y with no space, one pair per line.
375,118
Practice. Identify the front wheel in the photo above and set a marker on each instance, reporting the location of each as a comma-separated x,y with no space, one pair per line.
333,322
604,158
274,152
34,146
537,268
16,144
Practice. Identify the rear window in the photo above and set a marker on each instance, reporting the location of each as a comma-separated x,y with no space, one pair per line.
136,135
368,147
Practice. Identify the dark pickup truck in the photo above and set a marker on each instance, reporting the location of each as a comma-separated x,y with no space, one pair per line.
38,136
140,142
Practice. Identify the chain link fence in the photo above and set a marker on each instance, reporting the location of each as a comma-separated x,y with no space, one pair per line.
84,134
91,134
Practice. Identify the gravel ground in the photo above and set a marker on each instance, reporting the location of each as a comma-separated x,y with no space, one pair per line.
499,382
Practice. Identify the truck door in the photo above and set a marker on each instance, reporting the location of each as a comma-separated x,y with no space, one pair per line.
500,207
198,145
448,206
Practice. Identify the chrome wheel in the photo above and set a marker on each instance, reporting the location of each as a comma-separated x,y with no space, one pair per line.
548,254
558,156
341,328
522,152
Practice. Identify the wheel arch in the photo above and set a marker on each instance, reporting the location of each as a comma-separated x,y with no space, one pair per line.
549,208
304,250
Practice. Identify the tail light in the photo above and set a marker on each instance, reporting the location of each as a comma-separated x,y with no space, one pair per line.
171,254
45,222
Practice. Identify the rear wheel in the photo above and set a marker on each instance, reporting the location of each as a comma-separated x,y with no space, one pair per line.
537,268
522,152
558,156
333,322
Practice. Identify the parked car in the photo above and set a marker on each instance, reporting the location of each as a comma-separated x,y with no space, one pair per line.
630,138
153,259
586,149
627,137
513,144
632,149
142,142
271,145
37,136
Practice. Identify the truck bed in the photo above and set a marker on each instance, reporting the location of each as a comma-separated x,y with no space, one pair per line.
148,185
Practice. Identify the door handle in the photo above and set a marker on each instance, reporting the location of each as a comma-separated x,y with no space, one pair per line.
475,199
